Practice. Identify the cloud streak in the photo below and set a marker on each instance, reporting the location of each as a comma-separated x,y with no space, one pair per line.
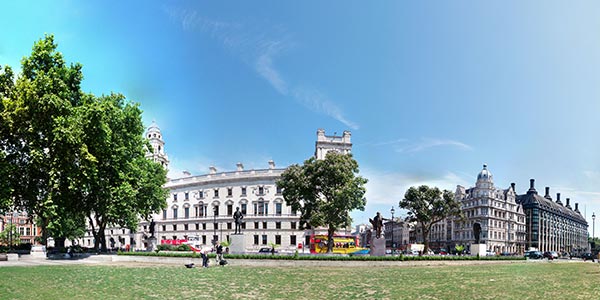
258,49
427,143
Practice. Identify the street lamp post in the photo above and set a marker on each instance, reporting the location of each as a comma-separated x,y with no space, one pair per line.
593,225
392,211
214,241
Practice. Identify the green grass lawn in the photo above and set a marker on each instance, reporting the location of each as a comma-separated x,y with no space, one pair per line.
499,281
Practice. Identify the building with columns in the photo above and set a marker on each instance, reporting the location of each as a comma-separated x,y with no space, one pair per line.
552,226
500,216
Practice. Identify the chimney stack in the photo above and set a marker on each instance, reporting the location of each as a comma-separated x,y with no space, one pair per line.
558,199
568,205
512,185
577,207
547,196
240,167
531,187
271,164
213,170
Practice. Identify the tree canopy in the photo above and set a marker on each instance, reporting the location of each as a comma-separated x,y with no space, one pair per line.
71,157
427,206
324,191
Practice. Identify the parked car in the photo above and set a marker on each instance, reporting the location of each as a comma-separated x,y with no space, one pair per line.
489,253
554,254
267,250
587,256
534,254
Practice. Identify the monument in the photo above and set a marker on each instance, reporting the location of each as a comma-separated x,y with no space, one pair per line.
477,248
238,242
377,243
152,241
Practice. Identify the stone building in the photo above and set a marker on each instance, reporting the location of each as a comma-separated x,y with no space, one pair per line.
201,207
552,226
500,216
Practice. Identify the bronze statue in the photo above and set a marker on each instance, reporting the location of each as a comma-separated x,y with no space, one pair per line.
377,223
238,216
152,224
476,232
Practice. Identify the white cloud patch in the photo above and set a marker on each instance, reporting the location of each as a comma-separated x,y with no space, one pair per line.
427,143
258,48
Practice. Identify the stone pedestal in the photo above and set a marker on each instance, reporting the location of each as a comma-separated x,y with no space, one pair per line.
238,244
480,249
152,243
378,247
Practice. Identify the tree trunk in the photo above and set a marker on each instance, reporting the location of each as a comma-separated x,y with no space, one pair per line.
425,239
330,233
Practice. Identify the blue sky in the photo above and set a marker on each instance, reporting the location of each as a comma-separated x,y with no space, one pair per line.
431,90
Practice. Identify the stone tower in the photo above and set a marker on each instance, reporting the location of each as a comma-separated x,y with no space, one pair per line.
326,144
157,152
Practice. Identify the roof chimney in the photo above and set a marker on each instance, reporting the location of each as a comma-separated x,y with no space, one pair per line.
577,207
568,200
558,199
547,196
240,166
271,164
213,170
531,187
512,185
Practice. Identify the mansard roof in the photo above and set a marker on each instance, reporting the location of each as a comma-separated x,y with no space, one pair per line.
532,199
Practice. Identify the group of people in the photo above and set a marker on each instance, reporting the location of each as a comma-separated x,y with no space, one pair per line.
218,250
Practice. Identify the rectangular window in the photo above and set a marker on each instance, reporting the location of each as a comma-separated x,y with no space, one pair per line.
292,240
197,226
196,211
243,225
187,196
174,237
264,239
264,225
201,194
174,213
185,227
164,237
278,239
175,197
243,191
244,208
277,225
279,191
174,227
164,228
278,209
204,239
216,193
216,210
255,225
203,226
229,192
164,214
256,239
230,209
261,191
186,211
293,225
228,225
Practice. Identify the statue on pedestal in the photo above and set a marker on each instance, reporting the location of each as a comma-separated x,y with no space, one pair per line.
477,232
237,217
377,224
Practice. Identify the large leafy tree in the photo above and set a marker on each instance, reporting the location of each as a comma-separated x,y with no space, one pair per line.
71,157
427,206
118,184
37,143
324,191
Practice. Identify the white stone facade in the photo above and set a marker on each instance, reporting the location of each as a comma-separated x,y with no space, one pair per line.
501,218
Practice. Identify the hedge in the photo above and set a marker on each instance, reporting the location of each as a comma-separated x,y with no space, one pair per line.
324,257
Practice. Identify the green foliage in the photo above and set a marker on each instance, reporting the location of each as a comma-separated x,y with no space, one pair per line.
428,206
324,191
70,157
10,235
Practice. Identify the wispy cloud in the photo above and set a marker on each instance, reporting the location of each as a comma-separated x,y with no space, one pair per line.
258,48
427,143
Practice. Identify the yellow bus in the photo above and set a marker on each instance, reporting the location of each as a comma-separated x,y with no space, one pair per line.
342,244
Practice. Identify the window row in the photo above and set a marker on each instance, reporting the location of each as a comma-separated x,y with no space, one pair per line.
201,194
228,225
258,208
